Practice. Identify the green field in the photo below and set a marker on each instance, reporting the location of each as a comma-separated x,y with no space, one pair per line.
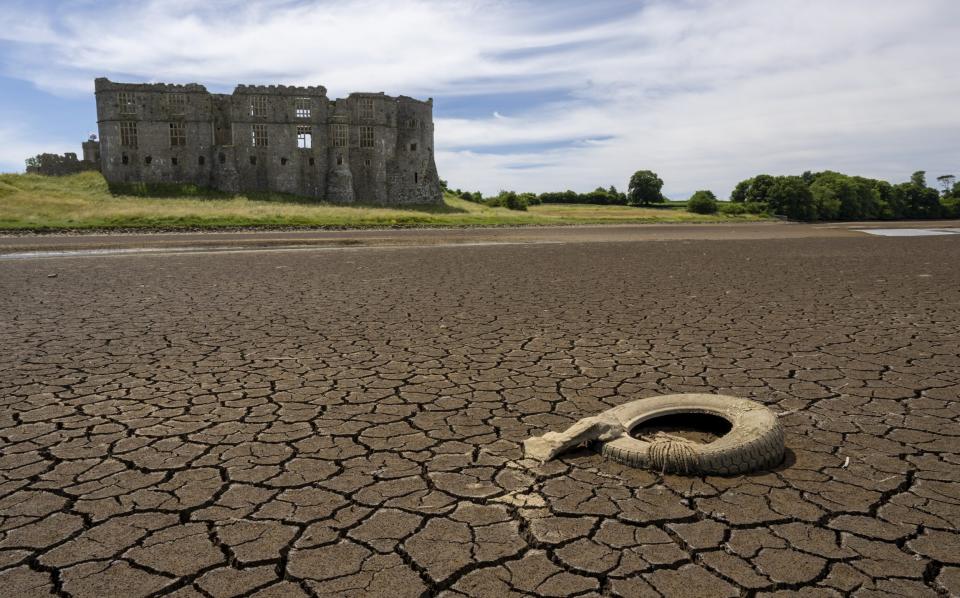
83,201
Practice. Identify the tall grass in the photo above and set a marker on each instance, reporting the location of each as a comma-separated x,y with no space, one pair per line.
85,201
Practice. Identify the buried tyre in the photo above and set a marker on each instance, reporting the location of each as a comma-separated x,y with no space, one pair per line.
755,439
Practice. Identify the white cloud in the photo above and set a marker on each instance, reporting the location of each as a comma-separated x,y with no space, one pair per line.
705,93
18,145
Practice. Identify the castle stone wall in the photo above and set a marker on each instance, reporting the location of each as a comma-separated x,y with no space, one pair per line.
368,147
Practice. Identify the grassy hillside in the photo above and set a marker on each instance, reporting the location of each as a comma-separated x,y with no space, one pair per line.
83,201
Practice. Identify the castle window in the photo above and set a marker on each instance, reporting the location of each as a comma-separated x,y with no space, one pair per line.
223,158
366,107
366,136
253,160
339,160
177,102
339,135
258,135
366,162
283,161
304,137
412,123
258,106
302,107
125,159
178,134
174,161
201,160
127,102
413,147
415,177
312,161
128,134
148,160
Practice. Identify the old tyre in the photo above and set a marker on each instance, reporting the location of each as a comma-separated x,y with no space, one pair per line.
755,439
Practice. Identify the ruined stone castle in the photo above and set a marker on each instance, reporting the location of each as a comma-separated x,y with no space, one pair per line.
368,147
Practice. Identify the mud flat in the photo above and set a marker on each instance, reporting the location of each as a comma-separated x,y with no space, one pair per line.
348,420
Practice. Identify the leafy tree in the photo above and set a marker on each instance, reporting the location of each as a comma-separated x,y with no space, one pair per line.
889,208
950,207
645,188
947,181
759,191
837,195
955,192
919,201
790,197
702,202
739,193
826,203
753,190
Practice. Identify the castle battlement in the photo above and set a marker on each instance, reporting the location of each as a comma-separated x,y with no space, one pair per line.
315,90
367,147
102,84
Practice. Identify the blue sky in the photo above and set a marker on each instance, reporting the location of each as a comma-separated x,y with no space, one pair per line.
536,95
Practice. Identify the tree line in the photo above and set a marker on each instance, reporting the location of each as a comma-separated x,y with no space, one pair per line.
826,195
830,195
609,196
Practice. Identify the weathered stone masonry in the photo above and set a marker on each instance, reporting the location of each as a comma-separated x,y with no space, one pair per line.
369,147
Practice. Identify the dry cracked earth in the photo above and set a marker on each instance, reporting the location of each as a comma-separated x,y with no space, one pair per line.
348,422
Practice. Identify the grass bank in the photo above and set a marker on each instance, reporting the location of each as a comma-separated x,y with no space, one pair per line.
83,201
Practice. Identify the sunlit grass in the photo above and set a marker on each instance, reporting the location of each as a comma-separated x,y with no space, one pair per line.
83,201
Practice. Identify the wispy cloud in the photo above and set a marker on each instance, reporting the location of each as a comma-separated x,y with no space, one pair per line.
18,145
704,92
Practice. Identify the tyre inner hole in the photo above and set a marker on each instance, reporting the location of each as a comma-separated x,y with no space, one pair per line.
697,427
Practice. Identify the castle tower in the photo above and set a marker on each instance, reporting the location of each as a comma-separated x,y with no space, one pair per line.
91,150
339,175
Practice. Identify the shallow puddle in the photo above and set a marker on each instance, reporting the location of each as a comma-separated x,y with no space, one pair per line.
909,232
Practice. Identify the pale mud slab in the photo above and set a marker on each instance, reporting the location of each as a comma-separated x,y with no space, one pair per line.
350,422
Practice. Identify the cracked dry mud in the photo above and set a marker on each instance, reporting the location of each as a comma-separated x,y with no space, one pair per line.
349,423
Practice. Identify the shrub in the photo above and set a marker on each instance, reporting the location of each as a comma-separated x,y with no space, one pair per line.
475,197
530,199
598,196
509,200
732,209
567,196
512,201
702,202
